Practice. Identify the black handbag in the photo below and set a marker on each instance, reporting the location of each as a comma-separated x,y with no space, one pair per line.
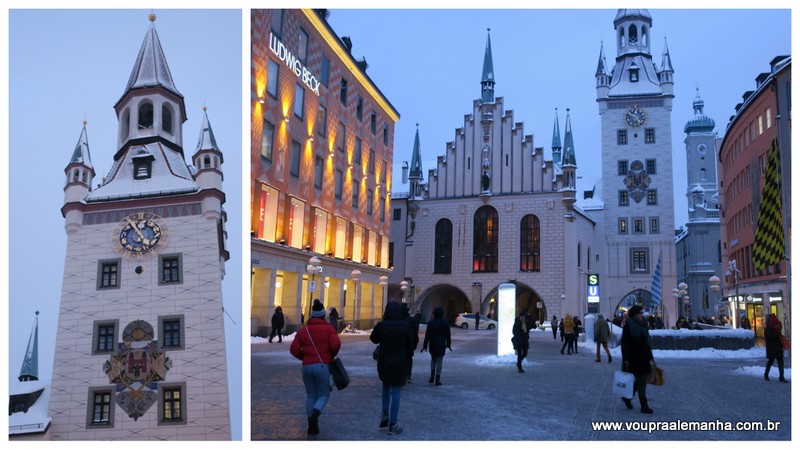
340,377
377,352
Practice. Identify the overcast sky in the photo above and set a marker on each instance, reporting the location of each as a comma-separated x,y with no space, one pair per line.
428,63
71,65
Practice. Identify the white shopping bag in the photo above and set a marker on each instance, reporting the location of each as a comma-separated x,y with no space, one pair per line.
623,384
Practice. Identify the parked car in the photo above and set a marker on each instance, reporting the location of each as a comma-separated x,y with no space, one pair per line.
467,321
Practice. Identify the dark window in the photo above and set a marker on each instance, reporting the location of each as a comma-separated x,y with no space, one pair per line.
340,137
355,194
371,161
272,78
267,140
373,122
319,166
322,121
166,118
370,200
170,269
359,108
650,136
652,197
276,24
343,92
302,46
325,71
579,254
391,254
443,247
294,159
622,168
338,180
109,274
654,225
623,198
171,331
530,244
142,167
384,206
385,134
623,226
299,100
146,115
485,240
357,152
384,169
634,75
639,260
101,408
396,214
650,165
106,335
622,137
638,225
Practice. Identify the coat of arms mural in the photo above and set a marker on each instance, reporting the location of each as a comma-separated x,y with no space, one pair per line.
136,367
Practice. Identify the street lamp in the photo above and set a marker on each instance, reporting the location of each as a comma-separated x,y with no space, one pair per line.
733,270
313,268
404,288
355,275
384,282
714,281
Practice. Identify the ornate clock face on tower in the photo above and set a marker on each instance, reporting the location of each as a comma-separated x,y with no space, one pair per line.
634,116
702,149
139,234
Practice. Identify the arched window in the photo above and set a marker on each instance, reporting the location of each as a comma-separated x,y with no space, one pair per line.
644,35
632,35
484,241
166,118
124,124
529,244
443,247
145,116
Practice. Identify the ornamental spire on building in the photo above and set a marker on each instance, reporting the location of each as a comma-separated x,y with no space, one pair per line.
569,149
206,140
150,68
81,153
556,146
30,364
666,61
415,172
487,77
602,68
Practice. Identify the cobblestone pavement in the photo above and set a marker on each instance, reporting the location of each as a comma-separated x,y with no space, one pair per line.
484,398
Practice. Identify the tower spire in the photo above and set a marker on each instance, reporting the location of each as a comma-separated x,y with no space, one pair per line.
30,364
415,172
556,146
569,149
487,78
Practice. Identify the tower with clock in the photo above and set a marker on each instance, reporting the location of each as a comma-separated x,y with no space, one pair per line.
140,347
635,102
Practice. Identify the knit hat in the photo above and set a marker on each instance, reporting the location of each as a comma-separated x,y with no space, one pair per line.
635,309
318,310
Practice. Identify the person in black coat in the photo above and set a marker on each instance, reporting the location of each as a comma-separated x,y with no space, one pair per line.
772,341
333,318
437,335
521,337
637,355
415,329
277,325
394,334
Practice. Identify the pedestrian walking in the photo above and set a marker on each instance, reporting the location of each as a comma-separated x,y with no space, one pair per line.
316,344
554,326
601,334
568,326
394,335
521,336
437,336
576,333
277,325
561,328
333,318
772,340
415,330
637,355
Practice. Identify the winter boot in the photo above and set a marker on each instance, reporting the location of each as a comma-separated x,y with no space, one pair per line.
438,381
395,428
627,402
313,422
384,420
430,380
646,409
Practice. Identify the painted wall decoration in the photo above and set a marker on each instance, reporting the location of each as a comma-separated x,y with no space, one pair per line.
637,181
136,367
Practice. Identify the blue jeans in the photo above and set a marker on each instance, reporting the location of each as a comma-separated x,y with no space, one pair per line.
395,401
316,378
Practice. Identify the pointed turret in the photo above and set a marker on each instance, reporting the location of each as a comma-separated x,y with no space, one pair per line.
556,146
151,106
666,73
207,161
415,171
80,175
568,168
30,364
569,149
601,74
700,123
487,78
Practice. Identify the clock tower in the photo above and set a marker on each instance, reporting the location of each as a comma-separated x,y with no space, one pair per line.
635,103
140,347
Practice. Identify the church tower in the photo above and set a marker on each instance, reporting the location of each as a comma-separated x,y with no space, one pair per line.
140,348
635,104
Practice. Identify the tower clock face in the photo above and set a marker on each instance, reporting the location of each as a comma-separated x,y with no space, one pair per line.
702,149
139,234
635,116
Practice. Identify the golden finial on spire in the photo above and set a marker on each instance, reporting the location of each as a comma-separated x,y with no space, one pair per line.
152,16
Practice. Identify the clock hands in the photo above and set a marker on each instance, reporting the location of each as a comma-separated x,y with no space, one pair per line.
135,227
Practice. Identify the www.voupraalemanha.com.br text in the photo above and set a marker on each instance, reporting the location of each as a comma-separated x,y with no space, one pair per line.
681,425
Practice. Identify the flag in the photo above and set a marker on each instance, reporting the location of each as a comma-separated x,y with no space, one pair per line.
768,249
655,289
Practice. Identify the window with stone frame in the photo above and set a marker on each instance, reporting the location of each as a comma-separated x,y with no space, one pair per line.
172,404
170,269
443,247
104,336
530,244
108,274
100,408
485,240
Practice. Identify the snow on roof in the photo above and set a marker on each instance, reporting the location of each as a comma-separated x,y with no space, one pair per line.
35,419
169,175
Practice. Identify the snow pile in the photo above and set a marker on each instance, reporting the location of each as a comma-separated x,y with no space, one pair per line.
505,360
758,371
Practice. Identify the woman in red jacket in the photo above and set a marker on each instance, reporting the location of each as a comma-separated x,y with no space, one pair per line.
316,344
